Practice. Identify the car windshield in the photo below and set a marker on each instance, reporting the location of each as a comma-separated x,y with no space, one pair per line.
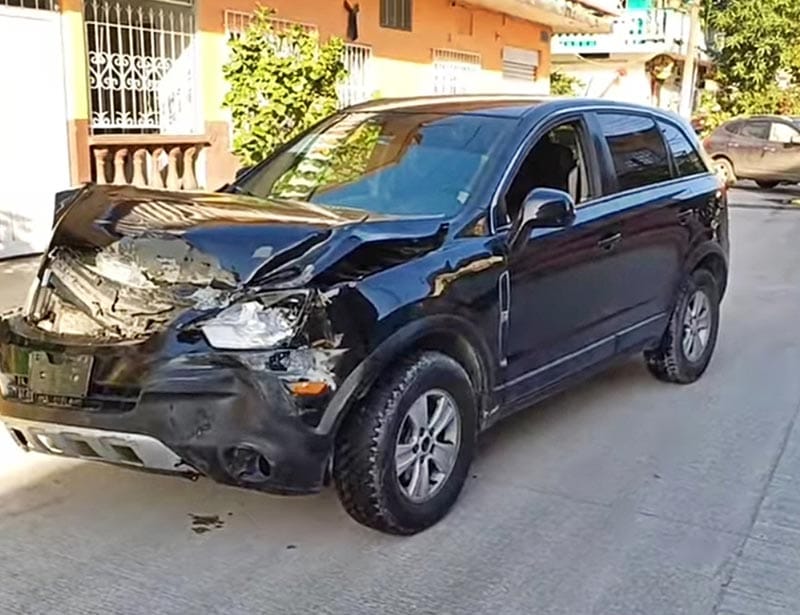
392,163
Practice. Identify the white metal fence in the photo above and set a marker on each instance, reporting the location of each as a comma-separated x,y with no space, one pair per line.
142,66
42,5
359,85
455,72
236,22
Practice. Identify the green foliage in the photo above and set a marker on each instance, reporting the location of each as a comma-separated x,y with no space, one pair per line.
562,84
281,82
760,42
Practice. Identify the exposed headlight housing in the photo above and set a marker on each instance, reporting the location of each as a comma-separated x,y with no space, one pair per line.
263,323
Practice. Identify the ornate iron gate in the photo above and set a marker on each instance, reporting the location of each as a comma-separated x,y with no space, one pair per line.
142,66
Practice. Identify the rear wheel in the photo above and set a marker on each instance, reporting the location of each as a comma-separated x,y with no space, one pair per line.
403,456
688,343
725,170
767,185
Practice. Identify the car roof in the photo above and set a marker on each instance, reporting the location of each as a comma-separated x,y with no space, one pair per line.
500,105
748,118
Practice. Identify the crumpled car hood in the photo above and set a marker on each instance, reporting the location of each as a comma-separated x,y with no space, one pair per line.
239,239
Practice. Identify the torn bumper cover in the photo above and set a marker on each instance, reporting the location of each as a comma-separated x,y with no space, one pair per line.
220,416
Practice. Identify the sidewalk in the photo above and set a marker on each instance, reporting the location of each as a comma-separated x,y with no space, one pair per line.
15,279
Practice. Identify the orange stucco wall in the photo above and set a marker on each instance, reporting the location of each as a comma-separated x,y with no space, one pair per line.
435,24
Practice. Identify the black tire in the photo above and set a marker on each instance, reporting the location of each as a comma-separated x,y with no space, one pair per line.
364,464
726,170
669,362
766,185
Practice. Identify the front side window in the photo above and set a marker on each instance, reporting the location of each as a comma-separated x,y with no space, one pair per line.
637,150
756,130
557,160
687,160
782,133
386,163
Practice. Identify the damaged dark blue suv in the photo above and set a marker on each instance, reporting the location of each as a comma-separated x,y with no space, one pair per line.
358,307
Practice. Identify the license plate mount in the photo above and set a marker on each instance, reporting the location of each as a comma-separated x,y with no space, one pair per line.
60,374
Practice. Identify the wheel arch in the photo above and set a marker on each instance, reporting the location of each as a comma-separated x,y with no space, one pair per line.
715,262
451,335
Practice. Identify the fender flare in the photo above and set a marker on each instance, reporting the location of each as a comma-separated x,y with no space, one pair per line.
361,379
704,251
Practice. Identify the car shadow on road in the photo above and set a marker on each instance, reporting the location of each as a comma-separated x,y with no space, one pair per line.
68,492
780,196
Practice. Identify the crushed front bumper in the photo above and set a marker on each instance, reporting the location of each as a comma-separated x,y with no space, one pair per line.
195,413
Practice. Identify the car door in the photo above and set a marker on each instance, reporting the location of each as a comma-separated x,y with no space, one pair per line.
651,211
560,280
750,148
781,154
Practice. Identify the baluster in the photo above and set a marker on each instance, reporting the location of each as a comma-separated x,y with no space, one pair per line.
138,167
173,177
156,179
100,155
119,166
189,176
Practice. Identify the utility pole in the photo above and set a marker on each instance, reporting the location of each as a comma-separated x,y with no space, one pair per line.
690,65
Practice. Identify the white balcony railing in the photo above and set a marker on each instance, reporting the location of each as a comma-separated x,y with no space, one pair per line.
636,31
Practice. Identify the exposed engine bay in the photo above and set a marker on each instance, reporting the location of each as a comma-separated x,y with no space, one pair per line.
126,290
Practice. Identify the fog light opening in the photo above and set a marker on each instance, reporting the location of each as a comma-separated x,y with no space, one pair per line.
19,438
246,464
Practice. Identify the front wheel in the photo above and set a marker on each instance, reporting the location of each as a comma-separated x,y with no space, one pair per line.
402,457
689,341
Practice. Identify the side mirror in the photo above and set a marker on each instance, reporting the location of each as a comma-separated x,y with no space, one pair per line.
241,172
543,208
794,141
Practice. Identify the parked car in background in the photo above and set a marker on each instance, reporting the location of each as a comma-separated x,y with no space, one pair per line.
359,306
765,149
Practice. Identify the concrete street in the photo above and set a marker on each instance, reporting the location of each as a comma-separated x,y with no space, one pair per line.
623,496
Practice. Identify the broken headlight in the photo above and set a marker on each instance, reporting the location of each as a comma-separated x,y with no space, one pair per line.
263,323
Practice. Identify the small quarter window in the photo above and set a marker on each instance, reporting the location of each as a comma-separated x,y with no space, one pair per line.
637,150
687,160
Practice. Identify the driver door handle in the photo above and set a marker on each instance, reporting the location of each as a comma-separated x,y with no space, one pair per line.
770,149
609,241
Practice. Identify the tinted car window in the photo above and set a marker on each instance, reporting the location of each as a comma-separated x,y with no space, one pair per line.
389,163
687,160
756,130
637,149
734,128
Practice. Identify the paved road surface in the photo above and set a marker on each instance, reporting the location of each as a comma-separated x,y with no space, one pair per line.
624,496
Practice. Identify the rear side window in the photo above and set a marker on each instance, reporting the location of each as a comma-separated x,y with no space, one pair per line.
637,149
735,128
756,130
687,160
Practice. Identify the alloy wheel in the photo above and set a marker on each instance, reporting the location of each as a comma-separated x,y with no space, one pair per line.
696,326
427,445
